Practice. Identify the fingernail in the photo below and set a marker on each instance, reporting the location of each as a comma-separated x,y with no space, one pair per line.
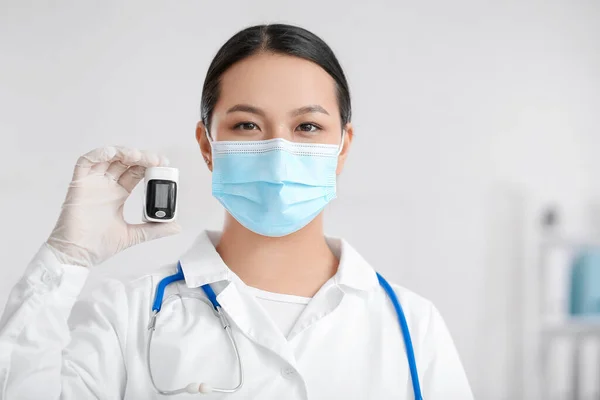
153,159
110,151
135,155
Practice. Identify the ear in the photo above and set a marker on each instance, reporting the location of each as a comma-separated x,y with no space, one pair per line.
348,136
203,142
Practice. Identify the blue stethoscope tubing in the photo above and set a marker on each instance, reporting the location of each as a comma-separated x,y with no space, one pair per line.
212,297
410,353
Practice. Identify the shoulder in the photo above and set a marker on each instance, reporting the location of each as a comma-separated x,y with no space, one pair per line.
412,301
127,289
418,310
422,316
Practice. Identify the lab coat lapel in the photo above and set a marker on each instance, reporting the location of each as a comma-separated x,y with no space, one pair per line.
246,314
327,299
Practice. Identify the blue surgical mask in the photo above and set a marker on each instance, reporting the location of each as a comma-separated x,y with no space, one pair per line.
274,187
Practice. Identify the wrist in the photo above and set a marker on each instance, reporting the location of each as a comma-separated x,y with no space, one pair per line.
63,255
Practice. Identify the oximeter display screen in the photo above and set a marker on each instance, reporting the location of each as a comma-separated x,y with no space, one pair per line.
162,195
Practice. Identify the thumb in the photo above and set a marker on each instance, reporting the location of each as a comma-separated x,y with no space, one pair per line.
140,233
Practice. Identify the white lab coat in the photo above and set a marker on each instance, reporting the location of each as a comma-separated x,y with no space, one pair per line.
346,344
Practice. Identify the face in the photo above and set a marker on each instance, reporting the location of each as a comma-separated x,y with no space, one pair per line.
269,96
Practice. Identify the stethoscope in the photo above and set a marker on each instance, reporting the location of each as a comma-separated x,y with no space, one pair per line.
204,388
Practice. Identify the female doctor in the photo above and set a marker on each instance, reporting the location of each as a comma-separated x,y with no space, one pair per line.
269,308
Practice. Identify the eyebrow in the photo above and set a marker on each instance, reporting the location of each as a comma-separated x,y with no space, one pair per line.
315,108
246,108
309,109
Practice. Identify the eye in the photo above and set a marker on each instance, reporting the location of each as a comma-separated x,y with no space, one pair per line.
246,126
308,127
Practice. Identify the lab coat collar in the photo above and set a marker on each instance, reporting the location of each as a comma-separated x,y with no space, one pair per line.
354,272
201,264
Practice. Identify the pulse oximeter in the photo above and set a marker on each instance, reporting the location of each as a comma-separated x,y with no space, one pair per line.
160,194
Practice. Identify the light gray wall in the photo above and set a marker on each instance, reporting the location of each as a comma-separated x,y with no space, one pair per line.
469,115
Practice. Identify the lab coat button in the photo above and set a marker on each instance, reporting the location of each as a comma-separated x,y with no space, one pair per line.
50,280
288,372
47,278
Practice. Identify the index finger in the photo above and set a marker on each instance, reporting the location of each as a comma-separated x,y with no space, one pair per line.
109,154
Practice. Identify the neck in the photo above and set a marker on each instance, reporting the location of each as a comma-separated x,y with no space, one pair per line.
298,264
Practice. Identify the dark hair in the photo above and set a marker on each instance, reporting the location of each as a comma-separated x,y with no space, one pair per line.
279,39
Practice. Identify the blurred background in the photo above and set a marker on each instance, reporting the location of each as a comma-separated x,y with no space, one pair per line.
473,179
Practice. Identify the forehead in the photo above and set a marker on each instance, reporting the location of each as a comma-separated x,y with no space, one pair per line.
277,81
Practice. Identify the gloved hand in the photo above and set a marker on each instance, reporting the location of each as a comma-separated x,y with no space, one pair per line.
91,227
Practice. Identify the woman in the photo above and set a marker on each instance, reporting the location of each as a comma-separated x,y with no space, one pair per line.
307,314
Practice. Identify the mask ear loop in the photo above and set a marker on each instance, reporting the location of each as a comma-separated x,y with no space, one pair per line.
208,136
210,142
341,147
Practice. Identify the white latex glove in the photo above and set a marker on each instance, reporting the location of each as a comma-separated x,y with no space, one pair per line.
91,227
